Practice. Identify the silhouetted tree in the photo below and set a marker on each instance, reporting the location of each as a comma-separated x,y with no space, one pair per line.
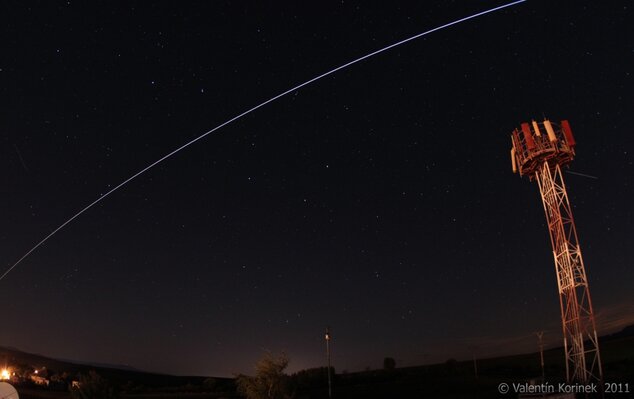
210,384
132,388
451,365
312,378
269,381
93,386
389,363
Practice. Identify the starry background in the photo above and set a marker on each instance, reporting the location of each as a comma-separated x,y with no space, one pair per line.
379,200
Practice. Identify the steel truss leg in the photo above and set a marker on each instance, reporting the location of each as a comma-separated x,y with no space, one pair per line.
583,360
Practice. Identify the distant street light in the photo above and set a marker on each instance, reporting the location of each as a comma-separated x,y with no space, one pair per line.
328,356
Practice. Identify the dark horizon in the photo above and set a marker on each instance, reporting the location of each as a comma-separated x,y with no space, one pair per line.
624,332
379,201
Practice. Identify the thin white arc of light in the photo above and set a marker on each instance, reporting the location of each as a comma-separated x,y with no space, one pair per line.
582,175
153,164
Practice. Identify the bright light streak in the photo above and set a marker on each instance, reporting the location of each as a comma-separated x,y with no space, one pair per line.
235,118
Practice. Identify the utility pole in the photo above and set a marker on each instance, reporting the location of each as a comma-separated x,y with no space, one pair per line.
540,335
474,349
328,356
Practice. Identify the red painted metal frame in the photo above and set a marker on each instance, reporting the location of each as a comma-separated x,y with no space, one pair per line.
541,159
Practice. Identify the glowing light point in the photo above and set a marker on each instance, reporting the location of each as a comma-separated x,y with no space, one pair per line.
5,374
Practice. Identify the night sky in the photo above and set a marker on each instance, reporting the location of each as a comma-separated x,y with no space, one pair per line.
379,200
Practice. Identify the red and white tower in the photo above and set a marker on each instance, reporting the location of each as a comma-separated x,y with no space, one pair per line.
539,150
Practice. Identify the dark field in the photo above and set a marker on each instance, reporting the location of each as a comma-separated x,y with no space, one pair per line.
452,379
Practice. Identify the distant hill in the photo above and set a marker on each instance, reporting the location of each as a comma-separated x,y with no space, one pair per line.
10,355
626,332
450,379
102,365
119,375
